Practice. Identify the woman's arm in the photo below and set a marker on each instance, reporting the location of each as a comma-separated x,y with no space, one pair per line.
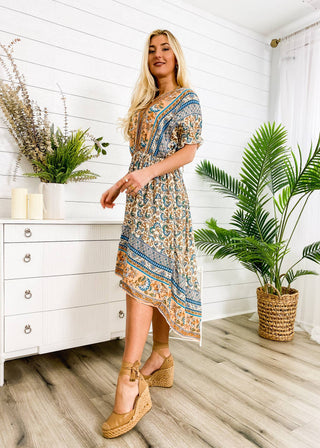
139,178
182,157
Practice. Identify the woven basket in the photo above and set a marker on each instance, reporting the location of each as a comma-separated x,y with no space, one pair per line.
277,314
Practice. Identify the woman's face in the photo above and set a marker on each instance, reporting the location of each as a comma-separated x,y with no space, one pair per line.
161,58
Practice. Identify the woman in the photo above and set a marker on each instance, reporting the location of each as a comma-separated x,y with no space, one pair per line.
156,258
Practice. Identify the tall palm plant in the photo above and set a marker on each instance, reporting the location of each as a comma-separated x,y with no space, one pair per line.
274,183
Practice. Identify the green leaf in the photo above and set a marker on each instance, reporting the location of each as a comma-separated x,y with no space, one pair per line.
222,243
82,175
264,158
312,252
219,179
283,198
302,179
290,276
260,227
309,179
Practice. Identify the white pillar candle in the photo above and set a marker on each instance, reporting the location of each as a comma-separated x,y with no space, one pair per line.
19,203
35,207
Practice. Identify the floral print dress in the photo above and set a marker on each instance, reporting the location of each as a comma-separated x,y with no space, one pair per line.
156,256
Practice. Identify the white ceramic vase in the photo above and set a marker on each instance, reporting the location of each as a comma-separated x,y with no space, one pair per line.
53,200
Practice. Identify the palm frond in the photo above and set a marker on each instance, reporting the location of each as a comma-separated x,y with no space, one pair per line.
283,198
312,252
260,227
290,276
253,251
264,157
219,179
278,177
309,179
301,178
244,223
268,227
221,243
211,241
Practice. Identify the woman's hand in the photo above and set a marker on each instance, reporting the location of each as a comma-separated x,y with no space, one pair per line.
132,182
109,196
135,180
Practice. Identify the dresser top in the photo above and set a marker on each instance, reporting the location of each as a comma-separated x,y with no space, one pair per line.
60,221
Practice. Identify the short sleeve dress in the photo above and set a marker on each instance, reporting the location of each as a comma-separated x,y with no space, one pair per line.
156,258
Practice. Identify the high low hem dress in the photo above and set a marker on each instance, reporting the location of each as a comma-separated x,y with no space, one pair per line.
156,256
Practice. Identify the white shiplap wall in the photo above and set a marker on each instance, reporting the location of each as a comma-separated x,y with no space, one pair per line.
92,49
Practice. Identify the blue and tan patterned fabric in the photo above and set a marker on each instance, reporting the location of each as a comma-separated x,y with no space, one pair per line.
156,257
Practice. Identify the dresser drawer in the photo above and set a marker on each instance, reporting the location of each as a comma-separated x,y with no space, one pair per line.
63,327
117,316
29,295
58,258
23,331
22,296
22,233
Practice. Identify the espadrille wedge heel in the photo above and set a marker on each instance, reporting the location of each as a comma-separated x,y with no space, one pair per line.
118,424
162,377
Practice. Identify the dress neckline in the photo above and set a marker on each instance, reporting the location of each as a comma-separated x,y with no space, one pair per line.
152,102
166,93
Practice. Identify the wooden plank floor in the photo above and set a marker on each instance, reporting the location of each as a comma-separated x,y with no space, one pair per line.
237,391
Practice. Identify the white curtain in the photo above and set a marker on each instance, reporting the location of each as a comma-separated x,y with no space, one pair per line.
296,105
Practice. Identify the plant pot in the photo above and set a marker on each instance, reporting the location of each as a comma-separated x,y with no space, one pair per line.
277,314
53,200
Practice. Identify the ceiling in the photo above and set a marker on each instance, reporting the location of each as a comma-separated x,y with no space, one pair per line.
261,16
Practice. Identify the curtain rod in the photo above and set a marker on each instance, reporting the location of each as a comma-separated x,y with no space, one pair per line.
274,43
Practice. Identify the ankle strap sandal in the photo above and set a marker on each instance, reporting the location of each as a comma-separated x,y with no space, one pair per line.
118,424
130,368
162,377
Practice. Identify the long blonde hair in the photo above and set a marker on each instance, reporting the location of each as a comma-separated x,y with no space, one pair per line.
145,89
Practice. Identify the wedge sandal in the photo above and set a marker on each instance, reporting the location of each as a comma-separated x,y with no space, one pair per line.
162,377
118,424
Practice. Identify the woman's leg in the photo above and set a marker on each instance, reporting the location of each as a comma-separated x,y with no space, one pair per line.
160,330
160,327
138,323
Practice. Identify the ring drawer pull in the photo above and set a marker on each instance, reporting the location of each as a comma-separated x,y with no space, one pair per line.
121,314
27,232
27,329
27,258
27,294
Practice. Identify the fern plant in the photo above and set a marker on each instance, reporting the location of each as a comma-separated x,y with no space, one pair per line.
273,185
66,154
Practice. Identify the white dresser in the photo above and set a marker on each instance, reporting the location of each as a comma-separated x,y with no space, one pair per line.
58,288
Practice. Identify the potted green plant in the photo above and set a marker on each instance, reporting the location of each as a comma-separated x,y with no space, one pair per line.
68,151
54,155
271,193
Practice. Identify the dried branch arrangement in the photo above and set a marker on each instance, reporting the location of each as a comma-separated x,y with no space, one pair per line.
26,122
54,155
